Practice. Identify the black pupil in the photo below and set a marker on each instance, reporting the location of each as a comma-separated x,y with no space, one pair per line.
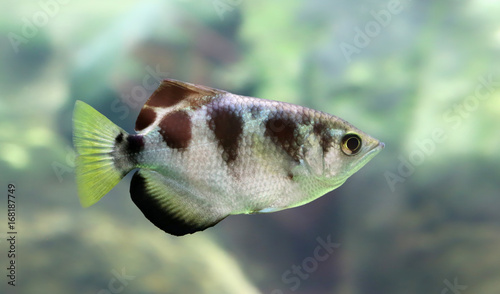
352,143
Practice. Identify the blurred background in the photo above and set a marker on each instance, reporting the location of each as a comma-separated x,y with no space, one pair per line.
421,76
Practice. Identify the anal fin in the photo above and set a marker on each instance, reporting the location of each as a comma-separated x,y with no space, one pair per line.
170,206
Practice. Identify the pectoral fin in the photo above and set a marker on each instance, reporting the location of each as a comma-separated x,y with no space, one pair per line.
170,206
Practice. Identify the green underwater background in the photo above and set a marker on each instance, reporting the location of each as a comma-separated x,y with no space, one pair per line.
421,76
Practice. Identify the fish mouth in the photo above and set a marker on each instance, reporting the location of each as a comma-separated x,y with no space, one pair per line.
374,151
361,162
368,156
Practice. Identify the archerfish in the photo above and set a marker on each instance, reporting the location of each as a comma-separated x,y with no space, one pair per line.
202,154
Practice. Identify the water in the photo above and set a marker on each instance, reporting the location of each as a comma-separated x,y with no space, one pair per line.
422,217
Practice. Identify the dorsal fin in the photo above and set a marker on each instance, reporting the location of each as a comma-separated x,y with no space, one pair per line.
172,93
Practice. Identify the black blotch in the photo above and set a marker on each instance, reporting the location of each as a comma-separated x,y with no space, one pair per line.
131,146
119,138
325,138
290,176
227,127
161,216
284,133
135,144
176,129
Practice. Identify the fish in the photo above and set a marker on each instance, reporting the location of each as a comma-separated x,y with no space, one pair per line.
201,154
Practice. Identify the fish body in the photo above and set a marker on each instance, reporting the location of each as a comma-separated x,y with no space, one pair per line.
203,154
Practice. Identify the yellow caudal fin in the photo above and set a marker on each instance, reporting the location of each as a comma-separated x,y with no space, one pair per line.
94,138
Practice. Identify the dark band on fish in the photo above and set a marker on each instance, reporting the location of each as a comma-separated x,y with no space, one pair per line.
146,117
227,127
176,129
325,138
284,133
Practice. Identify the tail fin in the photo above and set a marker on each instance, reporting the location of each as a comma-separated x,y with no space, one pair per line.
94,138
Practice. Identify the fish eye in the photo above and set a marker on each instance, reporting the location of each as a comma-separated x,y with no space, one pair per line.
351,144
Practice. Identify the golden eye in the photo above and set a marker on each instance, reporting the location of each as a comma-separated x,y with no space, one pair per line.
351,144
